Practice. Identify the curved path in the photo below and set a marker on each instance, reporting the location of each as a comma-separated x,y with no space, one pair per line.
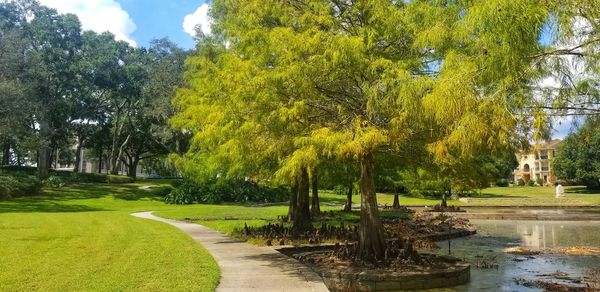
245,267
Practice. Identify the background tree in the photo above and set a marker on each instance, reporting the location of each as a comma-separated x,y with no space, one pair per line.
339,173
578,155
62,87
54,42
15,113
100,72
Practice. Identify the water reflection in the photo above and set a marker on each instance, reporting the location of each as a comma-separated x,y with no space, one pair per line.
495,235
543,234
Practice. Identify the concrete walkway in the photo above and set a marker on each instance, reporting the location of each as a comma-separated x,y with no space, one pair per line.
245,267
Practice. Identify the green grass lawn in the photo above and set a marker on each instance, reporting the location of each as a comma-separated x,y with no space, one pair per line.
509,196
83,238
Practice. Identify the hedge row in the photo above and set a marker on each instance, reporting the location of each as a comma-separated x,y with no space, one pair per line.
218,191
18,185
61,177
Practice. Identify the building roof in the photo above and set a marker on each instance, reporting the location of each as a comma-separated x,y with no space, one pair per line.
550,144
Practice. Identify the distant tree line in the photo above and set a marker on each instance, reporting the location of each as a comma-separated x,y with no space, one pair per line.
62,89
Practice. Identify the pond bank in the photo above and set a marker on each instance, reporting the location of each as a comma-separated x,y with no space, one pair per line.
571,213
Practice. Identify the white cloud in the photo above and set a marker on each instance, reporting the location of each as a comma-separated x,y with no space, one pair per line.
98,16
199,17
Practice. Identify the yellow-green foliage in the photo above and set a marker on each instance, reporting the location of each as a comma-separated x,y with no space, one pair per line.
281,84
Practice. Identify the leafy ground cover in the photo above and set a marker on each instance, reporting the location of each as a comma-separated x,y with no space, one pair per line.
82,237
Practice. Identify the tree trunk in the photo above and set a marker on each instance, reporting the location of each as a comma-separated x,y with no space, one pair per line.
44,150
348,205
78,156
43,165
302,220
6,154
51,155
100,161
315,208
132,168
396,204
114,158
444,204
293,200
372,243
115,164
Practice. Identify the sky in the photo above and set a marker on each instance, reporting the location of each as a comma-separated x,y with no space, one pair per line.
139,21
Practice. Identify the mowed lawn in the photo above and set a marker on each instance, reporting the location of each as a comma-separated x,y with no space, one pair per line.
510,196
84,238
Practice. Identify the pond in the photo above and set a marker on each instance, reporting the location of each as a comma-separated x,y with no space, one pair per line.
486,249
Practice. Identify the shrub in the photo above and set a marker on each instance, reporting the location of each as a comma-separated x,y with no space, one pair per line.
19,170
539,182
502,183
416,193
18,185
177,182
340,190
180,197
79,177
530,183
218,191
91,177
162,191
55,182
521,182
185,192
118,179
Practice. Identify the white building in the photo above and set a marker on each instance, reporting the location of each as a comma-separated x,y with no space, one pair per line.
536,163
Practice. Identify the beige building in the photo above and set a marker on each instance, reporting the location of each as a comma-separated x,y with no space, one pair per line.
536,163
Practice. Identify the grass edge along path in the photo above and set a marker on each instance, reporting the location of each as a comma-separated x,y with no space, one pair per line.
245,267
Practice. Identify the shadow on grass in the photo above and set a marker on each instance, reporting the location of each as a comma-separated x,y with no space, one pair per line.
582,190
128,192
337,200
65,199
494,196
138,196
42,206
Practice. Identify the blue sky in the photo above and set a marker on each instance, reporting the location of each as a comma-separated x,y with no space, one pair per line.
159,18
139,21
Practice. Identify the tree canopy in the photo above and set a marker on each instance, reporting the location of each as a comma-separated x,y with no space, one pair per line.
281,85
62,87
